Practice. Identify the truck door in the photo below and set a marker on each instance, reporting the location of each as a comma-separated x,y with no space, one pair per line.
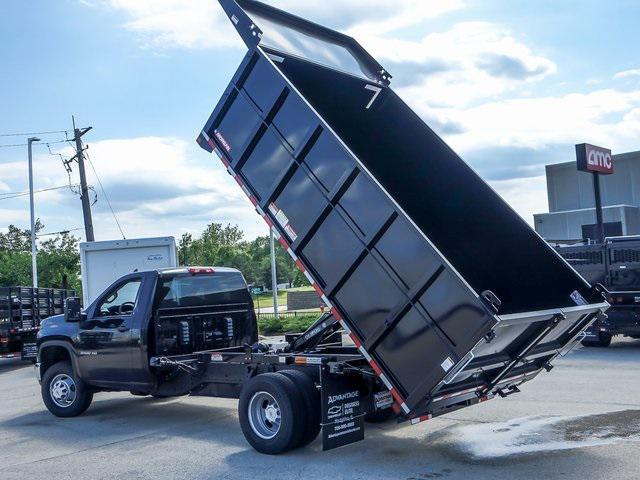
105,341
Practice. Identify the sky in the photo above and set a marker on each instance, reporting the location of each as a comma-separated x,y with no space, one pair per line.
510,85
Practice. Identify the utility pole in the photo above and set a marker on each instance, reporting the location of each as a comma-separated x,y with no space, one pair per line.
274,277
34,251
84,191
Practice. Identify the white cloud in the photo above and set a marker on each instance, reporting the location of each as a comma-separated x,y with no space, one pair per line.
157,186
479,61
475,82
202,24
628,73
608,117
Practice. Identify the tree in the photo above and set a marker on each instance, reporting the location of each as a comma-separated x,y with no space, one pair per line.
58,259
223,245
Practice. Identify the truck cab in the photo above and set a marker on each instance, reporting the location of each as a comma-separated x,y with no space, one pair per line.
141,315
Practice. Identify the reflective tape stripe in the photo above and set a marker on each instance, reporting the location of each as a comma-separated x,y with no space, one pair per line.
355,340
386,381
231,172
376,368
336,314
422,418
326,301
206,137
259,210
397,396
283,242
292,255
318,290
345,327
364,353
300,265
306,274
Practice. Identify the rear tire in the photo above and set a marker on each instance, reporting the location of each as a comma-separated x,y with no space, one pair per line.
63,393
271,412
311,400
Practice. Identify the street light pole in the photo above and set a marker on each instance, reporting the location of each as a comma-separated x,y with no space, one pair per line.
274,277
34,252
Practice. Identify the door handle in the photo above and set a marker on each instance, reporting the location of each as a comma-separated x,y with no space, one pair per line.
123,329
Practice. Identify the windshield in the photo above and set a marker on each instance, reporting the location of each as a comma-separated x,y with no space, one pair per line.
203,290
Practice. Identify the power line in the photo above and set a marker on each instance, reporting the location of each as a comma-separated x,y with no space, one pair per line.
25,134
106,196
69,230
34,144
10,195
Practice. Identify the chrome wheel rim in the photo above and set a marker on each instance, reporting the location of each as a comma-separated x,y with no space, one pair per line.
264,415
63,390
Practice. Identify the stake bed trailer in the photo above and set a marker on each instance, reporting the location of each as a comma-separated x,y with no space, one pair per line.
21,311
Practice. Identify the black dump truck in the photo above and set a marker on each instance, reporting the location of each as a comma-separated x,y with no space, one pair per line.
616,265
448,297
21,311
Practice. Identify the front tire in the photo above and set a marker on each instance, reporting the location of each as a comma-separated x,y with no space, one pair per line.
271,413
63,393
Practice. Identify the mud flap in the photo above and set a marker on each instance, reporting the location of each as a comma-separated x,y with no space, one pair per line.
29,351
342,410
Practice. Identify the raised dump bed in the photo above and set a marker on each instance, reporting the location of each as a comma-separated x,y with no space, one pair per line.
446,289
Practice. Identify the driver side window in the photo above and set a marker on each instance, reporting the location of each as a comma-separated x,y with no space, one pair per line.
121,300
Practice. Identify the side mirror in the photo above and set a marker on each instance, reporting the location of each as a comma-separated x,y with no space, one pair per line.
72,310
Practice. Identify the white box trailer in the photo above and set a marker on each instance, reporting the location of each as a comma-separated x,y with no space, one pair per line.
102,263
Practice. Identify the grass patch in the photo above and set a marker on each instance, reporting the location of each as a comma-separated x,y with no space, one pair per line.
270,325
266,298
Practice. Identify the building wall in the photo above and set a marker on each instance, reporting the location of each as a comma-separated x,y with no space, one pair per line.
572,203
569,189
568,225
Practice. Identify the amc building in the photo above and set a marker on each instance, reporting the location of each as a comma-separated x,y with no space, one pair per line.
572,213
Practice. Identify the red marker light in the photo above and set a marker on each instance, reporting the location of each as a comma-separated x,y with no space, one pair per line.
196,271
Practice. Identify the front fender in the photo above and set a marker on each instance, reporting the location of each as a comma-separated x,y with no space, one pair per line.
64,343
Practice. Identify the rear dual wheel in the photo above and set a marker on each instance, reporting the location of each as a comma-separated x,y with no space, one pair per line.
278,411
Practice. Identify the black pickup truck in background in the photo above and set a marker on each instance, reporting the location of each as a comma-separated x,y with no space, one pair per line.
616,265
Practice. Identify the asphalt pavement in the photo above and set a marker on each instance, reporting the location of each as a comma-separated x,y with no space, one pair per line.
580,421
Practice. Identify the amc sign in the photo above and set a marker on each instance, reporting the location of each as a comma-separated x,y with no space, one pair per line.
594,159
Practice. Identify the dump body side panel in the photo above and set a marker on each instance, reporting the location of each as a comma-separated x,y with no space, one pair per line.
405,304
